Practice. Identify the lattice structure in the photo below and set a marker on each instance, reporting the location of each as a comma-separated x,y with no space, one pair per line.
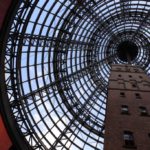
55,63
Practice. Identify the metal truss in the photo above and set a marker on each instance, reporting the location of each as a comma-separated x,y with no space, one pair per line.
55,64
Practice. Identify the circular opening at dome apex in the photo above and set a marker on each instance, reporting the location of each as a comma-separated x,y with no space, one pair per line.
127,51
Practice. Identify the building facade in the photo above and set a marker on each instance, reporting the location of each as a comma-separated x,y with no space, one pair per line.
127,124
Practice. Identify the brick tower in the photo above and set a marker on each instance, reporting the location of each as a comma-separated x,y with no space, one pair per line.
127,123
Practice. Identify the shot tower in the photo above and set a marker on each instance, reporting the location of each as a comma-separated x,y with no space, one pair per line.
127,114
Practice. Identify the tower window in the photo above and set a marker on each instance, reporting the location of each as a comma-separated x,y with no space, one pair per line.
138,96
122,94
140,77
134,85
130,76
119,75
124,109
128,139
143,111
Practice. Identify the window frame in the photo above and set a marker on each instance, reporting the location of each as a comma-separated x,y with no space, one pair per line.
124,109
143,111
129,141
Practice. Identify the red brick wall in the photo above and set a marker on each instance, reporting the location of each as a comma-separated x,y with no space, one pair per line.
116,122
5,142
4,6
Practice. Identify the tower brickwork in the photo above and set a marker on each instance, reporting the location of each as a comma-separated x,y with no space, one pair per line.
127,123
5,142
